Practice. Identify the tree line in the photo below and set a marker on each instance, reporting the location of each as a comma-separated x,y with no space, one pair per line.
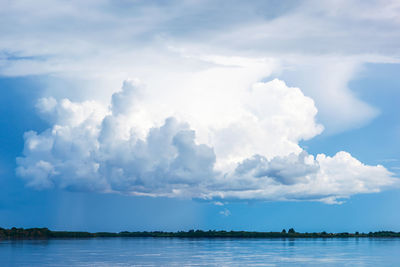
45,233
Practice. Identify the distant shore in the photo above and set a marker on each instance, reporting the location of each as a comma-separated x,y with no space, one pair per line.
45,233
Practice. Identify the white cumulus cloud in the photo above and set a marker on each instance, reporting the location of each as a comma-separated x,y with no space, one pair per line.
251,151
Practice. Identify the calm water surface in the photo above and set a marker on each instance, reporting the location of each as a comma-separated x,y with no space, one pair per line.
201,252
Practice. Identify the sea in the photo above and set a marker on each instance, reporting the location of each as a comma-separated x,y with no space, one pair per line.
201,252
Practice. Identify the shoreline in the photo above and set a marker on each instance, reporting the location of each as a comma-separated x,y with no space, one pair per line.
45,233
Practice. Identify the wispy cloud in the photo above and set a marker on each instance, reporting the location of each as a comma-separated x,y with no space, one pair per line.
321,45
225,212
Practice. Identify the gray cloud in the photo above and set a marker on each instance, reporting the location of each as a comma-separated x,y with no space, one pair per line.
167,160
287,170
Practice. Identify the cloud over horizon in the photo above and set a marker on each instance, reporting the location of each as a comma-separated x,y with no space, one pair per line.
249,150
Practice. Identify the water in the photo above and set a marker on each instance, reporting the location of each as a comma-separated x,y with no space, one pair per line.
200,252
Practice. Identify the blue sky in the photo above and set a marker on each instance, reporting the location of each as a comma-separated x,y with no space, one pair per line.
152,116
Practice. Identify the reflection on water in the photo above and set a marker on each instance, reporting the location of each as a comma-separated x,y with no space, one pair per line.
201,252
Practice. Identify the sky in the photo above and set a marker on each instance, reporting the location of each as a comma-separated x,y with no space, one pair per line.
178,115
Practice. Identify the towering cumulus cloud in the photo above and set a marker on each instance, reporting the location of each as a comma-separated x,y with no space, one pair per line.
249,151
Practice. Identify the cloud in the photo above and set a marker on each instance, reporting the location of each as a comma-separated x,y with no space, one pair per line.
225,212
206,124
338,108
288,170
99,43
305,177
123,147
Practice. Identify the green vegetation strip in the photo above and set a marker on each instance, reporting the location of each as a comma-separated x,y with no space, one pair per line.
44,233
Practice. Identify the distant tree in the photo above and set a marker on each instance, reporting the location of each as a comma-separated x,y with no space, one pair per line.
283,231
292,231
357,233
